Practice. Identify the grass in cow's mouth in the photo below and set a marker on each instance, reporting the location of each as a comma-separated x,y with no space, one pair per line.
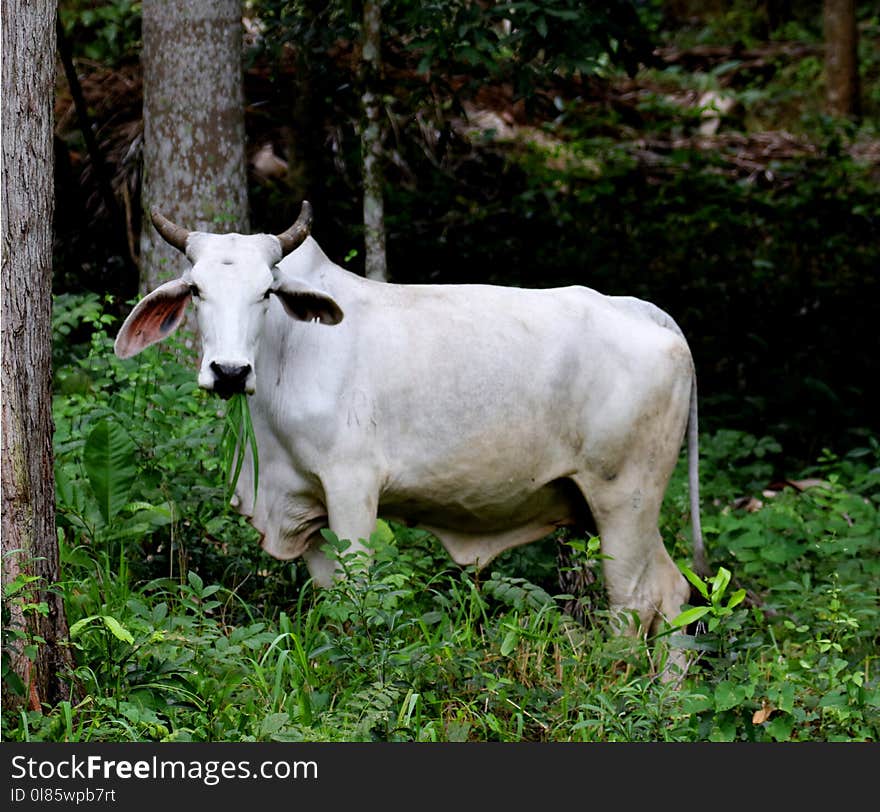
238,434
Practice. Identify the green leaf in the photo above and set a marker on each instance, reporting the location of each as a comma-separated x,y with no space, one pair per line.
835,698
724,730
117,629
699,583
64,489
109,460
785,699
195,582
736,598
697,703
273,723
780,727
77,627
728,695
563,14
541,26
720,582
19,583
383,534
509,643
11,679
690,615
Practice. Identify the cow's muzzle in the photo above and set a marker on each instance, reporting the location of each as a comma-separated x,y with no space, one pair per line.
230,379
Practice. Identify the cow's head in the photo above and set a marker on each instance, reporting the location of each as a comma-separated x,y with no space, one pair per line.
232,278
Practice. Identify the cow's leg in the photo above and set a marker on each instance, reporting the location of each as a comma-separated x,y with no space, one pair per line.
352,510
640,576
322,568
639,573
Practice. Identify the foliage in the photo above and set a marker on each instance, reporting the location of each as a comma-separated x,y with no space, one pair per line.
476,39
521,42
129,489
106,32
714,593
21,595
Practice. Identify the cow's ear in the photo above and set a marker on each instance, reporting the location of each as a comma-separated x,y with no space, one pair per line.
154,317
305,303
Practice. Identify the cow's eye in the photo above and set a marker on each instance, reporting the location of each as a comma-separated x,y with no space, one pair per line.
194,291
267,294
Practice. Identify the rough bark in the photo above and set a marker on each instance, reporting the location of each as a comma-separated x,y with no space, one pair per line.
375,266
842,92
29,543
194,138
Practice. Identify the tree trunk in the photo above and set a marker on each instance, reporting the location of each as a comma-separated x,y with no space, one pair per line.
841,59
194,139
35,626
371,145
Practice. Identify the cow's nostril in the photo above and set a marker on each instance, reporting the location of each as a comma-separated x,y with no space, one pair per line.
231,374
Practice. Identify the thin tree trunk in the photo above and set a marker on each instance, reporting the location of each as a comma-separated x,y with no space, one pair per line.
194,139
39,659
375,265
842,92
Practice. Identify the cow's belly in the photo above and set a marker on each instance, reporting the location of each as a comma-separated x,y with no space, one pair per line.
477,525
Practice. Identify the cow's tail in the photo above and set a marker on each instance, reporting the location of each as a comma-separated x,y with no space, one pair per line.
701,566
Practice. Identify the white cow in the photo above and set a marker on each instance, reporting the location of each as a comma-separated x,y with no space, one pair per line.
488,415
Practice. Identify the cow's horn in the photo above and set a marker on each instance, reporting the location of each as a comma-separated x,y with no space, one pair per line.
294,236
173,234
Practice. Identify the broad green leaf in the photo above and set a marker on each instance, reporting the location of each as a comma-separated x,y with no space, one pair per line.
109,460
699,583
697,703
509,643
383,533
724,730
781,551
77,627
141,523
835,698
736,598
563,14
720,581
117,629
64,489
690,615
728,695
195,581
780,727
273,723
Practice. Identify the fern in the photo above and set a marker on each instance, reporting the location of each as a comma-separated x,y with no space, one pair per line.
517,593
